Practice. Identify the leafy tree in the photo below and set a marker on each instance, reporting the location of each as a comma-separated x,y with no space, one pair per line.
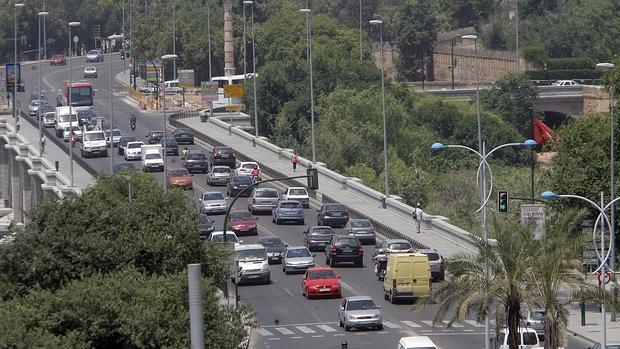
415,30
467,13
511,97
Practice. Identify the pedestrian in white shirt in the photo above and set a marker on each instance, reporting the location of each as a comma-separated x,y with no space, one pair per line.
417,216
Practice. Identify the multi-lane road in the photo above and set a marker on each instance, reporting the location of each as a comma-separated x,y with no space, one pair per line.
285,318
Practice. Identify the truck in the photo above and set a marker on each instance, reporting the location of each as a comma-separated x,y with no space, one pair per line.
64,119
93,142
152,157
13,70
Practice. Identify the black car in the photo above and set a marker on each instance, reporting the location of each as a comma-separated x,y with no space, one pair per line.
205,225
333,215
122,143
119,167
196,161
237,184
344,248
317,237
153,137
223,155
184,136
274,247
172,147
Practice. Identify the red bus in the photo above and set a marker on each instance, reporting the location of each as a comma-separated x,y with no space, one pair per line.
82,94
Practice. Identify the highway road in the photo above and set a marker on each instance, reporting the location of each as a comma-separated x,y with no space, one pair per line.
285,318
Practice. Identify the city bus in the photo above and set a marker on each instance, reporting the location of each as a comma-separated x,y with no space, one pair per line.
230,80
82,94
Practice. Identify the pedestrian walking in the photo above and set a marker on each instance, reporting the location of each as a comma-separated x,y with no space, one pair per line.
42,144
17,125
417,216
295,160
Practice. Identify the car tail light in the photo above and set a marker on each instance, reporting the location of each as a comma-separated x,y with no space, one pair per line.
326,214
333,250
360,249
528,324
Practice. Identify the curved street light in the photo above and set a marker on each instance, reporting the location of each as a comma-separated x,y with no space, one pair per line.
164,58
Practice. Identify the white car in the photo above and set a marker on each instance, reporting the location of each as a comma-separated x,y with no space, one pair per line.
246,168
527,338
67,132
33,107
565,83
133,150
213,202
90,72
297,194
218,236
49,119
416,342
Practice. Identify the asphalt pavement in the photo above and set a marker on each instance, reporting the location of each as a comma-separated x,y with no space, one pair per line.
285,318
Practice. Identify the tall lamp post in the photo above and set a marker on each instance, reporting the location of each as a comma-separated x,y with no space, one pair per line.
164,58
308,12
245,69
360,20
249,2
71,25
40,15
518,57
612,186
385,156
112,37
15,7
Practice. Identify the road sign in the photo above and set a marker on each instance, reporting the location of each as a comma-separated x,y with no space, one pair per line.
534,214
76,39
151,74
235,107
208,91
233,91
186,78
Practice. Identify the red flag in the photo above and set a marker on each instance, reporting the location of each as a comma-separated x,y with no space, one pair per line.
542,132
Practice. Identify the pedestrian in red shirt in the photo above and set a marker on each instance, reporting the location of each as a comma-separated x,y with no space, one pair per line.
295,161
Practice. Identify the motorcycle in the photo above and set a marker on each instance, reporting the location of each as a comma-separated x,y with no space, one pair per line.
132,125
184,154
380,266
255,179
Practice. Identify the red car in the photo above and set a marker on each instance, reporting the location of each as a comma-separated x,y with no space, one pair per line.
320,281
58,60
242,222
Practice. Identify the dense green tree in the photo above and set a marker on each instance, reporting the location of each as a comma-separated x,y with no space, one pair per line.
466,13
512,97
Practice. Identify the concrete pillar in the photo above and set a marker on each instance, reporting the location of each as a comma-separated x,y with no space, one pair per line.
26,180
16,190
4,172
229,48
11,163
37,192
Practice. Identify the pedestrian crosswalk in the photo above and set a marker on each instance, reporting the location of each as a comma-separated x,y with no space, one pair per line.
331,328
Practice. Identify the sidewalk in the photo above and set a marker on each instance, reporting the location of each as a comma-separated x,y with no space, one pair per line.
593,329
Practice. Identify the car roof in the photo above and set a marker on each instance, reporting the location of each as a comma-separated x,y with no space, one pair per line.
320,227
220,166
249,247
297,188
359,220
416,341
212,192
266,189
239,210
393,241
290,201
428,250
359,298
265,238
297,248
196,151
320,268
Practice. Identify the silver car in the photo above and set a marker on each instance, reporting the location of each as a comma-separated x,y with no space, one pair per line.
297,259
359,312
219,175
213,202
116,137
263,199
94,56
33,107
362,229
393,246
438,264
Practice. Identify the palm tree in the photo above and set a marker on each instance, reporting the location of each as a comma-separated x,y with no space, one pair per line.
491,282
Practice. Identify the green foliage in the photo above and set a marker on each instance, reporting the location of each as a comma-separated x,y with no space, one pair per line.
570,63
469,13
511,97
495,37
124,309
562,74
535,54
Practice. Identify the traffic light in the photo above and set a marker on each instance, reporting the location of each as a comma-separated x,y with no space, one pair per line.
502,201
313,178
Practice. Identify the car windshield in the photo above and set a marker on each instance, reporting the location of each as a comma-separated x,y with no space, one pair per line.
198,156
74,128
134,145
152,156
93,52
335,208
321,231
243,179
224,151
67,118
362,304
347,242
89,69
250,255
290,205
321,274
221,170
240,216
212,196
184,131
220,238
297,252
361,224
249,166
115,133
266,194
432,256
35,103
399,246
273,242
95,136
179,173
204,219
297,192
157,134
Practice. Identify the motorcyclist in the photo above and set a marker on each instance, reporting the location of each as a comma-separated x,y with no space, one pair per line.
73,138
255,173
184,153
132,120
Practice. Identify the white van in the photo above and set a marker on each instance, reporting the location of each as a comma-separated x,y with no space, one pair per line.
527,339
253,264
172,87
63,119
416,342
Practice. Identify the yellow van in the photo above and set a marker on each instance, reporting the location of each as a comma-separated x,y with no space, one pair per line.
408,275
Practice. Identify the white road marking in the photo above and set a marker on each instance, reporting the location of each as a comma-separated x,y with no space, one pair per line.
305,329
284,330
318,336
306,324
274,338
288,292
326,328
339,335
361,333
454,324
474,323
390,324
263,332
411,324
297,337
427,322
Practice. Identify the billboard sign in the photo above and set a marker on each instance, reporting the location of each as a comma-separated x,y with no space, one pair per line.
186,78
534,214
233,91
208,91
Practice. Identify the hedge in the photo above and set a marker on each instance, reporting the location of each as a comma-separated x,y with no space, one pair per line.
566,74
570,63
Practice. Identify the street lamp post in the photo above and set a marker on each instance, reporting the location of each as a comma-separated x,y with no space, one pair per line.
112,37
360,20
308,12
245,69
517,56
41,15
385,156
164,58
612,186
15,7
248,2
71,25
